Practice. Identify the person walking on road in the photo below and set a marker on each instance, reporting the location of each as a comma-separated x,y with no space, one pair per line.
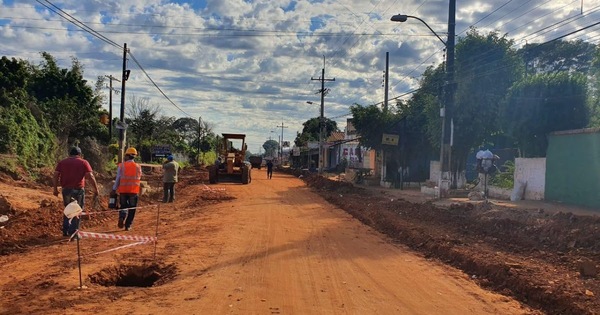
170,170
71,173
127,184
269,169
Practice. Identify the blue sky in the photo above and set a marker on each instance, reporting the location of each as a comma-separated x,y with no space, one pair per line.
246,66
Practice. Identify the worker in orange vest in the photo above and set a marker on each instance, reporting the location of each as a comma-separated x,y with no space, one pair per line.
127,185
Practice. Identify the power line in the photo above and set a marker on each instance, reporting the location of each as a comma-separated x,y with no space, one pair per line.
91,31
155,85
485,17
77,23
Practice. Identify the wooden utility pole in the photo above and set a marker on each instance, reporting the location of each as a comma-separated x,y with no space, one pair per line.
110,117
387,71
121,127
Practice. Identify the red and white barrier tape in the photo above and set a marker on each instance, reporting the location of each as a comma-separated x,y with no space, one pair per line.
90,212
212,189
120,247
114,236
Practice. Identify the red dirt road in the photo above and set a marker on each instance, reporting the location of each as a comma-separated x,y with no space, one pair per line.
277,248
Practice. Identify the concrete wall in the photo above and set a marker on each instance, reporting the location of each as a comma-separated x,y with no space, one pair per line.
435,173
531,171
499,193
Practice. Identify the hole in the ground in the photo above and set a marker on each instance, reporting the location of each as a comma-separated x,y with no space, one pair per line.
146,275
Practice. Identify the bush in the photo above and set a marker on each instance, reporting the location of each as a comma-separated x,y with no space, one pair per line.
504,179
96,154
22,135
207,158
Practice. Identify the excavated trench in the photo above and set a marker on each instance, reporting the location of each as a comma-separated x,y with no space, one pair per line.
145,275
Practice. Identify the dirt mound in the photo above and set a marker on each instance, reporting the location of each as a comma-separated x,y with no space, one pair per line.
532,255
35,216
41,227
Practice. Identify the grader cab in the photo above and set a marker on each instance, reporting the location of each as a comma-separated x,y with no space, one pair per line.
232,165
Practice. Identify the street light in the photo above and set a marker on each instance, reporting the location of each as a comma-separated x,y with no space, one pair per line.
402,18
446,112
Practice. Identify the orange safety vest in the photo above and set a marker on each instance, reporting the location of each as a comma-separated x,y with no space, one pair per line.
129,182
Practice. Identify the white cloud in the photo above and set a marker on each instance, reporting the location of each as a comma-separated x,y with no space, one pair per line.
246,66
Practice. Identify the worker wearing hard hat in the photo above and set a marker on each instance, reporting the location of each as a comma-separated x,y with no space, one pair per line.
127,184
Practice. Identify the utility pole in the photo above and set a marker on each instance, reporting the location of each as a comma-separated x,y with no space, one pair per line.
122,126
387,71
199,132
281,144
110,117
447,181
322,117
385,109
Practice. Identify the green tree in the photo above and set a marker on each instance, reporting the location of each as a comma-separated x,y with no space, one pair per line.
14,74
371,122
70,105
22,135
271,148
594,90
311,129
558,56
544,103
486,67
426,103
188,129
142,120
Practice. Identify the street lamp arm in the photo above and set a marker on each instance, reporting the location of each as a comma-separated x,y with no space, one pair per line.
403,18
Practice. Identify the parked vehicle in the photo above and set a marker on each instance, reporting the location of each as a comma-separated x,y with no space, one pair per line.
256,161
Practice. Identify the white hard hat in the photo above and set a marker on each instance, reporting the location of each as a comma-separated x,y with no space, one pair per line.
73,209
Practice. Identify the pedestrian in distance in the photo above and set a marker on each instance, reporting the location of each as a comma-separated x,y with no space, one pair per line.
72,173
127,185
269,169
170,170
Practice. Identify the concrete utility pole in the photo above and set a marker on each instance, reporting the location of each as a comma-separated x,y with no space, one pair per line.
281,144
447,180
322,117
110,117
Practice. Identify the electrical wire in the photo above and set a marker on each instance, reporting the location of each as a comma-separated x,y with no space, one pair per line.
77,23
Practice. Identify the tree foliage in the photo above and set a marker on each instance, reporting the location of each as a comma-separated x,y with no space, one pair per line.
371,122
559,56
486,67
271,148
426,103
311,130
543,103
69,104
22,135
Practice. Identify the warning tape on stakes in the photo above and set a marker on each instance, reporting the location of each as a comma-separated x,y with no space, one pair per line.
115,210
115,236
120,247
212,189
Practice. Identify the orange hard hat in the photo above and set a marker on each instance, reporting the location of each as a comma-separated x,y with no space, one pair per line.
131,151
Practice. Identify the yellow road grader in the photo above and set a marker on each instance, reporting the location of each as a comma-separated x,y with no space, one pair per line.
231,164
